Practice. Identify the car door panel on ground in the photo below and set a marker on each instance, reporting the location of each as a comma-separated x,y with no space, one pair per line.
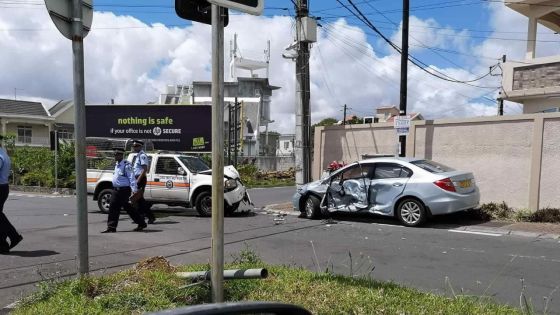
169,182
388,181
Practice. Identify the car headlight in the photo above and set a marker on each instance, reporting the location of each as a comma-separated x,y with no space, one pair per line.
230,184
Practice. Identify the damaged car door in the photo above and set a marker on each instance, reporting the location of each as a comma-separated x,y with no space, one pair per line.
348,189
388,182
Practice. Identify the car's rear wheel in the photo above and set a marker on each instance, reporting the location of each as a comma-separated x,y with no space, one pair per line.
204,204
411,212
311,207
104,200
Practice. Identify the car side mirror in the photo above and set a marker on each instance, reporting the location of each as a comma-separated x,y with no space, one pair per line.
181,171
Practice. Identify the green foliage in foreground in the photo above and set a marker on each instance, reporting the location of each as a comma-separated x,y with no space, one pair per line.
134,292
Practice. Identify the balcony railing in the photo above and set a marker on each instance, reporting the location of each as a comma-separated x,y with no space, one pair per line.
531,78
33,141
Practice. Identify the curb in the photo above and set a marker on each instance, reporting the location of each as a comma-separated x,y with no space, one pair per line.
269,209
8,308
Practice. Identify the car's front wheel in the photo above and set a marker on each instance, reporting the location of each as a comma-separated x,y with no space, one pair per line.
311,207
204,204
411,212
104,200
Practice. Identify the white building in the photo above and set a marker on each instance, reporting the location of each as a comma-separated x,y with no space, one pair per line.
534,82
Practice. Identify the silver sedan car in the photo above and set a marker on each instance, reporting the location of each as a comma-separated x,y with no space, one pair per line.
407,188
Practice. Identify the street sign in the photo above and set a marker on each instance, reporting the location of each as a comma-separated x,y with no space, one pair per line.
402,125
61,14
254,7
402,122
198,11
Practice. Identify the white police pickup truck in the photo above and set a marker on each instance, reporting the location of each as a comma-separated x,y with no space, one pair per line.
174,180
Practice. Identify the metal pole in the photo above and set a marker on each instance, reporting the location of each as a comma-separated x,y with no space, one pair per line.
404,73
56,161
303,115
80,134
217,155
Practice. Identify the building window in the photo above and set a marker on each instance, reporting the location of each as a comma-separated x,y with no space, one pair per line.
65,134
286,145
24,134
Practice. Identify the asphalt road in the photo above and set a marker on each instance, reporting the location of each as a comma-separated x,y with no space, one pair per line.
435,258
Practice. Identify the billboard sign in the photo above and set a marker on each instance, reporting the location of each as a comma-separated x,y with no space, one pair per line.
170,127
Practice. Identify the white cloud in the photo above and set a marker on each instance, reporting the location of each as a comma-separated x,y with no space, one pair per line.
131,62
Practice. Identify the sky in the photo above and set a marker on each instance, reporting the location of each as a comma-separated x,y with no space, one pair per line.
138,47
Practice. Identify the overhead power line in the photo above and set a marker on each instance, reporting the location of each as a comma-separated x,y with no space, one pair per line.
415,61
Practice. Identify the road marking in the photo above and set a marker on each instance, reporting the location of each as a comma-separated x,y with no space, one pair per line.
477,233
40,196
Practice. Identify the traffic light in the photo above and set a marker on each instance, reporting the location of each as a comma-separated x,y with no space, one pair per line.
198,11
254,7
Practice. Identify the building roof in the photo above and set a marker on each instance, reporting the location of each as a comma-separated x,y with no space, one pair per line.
14,107
388,107
413,116
59,106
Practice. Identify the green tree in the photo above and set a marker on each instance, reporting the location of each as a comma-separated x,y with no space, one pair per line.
326,122
355,120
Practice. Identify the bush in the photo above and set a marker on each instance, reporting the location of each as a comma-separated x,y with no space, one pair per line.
497,211
549,215
34,166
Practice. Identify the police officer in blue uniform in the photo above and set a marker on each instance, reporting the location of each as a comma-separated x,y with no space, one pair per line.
123,184
7,230
140,170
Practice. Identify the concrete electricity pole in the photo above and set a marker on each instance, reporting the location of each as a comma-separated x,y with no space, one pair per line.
404,73
303,112
344,115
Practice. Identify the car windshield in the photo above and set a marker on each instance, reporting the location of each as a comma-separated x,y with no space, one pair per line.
432,167
194,164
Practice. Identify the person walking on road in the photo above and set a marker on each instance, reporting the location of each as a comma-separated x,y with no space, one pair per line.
140,171
123,184
7,230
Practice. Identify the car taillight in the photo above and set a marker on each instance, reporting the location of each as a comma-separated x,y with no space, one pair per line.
445,184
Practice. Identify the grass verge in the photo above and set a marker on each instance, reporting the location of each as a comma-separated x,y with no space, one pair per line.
142,290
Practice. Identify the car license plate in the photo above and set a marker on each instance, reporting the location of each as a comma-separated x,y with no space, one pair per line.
465,183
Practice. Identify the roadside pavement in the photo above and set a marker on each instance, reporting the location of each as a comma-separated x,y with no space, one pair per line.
526,229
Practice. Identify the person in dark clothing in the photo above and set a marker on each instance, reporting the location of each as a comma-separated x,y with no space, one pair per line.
140,168
7,230
123,184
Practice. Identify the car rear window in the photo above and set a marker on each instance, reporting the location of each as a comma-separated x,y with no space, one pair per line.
432,167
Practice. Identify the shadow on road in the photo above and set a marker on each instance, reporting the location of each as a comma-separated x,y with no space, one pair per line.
31,253
448,221
190,212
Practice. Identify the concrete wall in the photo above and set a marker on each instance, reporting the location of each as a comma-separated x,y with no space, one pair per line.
275,163
514,158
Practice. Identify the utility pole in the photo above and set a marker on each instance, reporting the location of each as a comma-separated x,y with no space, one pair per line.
303,112
344,116
500,107
404,73
15,93
217,273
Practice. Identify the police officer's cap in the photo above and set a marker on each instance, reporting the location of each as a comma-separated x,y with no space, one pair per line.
137,142
118,150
